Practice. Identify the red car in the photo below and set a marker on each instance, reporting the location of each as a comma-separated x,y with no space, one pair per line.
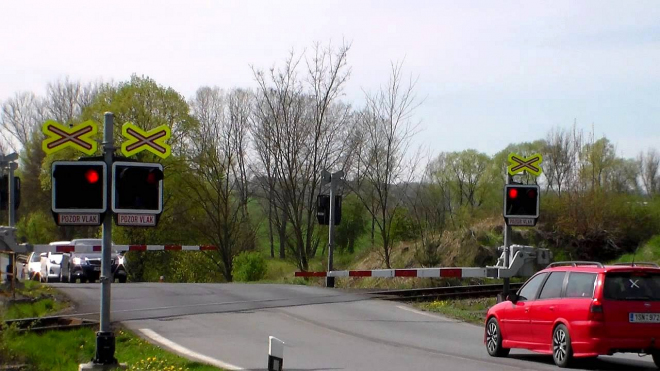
579,310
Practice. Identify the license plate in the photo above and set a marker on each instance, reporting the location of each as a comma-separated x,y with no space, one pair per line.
644,317
97,269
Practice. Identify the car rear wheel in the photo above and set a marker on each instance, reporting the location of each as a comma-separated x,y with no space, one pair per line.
562,352
494,339
122,279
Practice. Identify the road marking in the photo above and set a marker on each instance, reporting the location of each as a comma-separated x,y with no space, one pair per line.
153,335
425,314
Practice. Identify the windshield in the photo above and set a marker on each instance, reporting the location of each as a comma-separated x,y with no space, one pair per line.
35,258
57,258
632,286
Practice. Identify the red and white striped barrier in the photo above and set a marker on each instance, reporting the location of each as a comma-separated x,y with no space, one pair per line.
119,248
411,272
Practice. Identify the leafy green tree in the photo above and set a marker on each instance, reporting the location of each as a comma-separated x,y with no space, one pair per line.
353,224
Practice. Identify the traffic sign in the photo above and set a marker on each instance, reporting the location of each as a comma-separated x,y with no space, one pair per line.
531,164
78,219
136,220
521,222
139,140
78,137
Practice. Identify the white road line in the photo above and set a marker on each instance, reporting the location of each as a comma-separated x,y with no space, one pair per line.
187,352
425,313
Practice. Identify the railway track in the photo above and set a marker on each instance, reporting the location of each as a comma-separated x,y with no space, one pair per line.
443,293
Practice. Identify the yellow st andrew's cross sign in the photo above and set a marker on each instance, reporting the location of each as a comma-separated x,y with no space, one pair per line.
79,137
531,164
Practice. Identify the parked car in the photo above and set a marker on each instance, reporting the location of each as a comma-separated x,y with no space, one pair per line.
86,267
51,263
580,310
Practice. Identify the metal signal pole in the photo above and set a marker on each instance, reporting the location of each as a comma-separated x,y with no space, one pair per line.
334,180
507,244
105,339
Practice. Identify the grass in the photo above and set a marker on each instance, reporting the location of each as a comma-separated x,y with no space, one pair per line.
64,350
650,252
38,308
77,346
467,310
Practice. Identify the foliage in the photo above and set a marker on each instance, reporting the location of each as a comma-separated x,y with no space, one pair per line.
353,224
249,266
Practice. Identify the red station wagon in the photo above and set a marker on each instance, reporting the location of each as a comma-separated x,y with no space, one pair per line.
580,309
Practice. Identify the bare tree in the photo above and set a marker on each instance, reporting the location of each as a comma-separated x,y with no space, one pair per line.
386,171
649,164
21,116
66,99
219,179
305,130
560,157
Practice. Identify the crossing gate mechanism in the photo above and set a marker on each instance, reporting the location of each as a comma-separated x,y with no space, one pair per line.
524,260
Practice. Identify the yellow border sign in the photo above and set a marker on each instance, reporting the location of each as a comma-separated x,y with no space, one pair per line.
78,137
531,164
139,140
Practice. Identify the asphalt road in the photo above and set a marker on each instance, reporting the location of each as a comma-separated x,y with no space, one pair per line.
323,329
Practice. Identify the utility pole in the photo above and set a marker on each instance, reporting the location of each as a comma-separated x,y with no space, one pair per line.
335,178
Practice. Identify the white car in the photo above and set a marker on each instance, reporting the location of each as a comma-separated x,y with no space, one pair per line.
51,263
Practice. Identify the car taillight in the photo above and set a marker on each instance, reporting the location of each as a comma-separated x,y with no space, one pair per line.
596,311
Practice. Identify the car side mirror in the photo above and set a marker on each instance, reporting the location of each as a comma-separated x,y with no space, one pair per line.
513,297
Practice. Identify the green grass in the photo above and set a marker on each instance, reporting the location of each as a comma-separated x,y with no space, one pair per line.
64,350
650,252
38,308
467,310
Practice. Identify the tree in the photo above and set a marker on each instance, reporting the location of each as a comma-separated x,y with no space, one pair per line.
560,155
305,129
649,166
385,168
218,178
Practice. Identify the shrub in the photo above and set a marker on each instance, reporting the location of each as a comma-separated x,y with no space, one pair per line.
249,266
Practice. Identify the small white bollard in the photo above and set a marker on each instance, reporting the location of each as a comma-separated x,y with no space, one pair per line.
275,354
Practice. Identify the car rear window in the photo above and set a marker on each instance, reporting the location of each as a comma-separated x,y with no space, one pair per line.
632,286
580,285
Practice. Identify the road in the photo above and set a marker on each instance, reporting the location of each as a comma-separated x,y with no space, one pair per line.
323,329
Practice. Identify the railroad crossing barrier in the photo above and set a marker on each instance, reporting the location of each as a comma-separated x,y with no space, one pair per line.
523,263
119,248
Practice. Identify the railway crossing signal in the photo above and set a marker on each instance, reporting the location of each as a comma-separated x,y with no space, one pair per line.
4,192
139,140
78,137
137,193
79,193
521,204
529,164
323,209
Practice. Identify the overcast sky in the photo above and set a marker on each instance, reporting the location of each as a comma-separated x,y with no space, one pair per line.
490,72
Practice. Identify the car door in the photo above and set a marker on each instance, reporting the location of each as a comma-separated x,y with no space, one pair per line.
546,309
516,321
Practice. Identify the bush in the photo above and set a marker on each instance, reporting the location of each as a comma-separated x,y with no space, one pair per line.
249,266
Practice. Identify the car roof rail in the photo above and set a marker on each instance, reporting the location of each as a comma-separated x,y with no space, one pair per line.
638,264
574,264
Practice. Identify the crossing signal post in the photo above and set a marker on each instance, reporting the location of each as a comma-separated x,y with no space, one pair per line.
521,202
92,190
330,211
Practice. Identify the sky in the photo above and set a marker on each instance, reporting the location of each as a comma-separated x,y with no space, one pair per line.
489,73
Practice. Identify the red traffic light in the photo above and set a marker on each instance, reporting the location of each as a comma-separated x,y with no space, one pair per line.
531,193
92,176
513,193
